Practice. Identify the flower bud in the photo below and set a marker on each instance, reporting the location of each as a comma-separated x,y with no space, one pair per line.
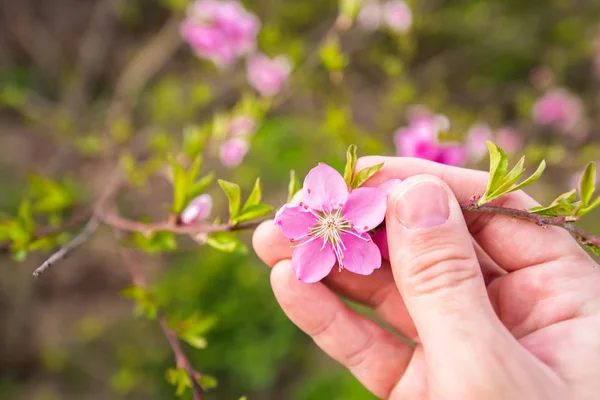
233,152
199,209
370,15
241,126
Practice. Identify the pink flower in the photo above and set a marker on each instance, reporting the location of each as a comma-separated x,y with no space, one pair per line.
397,16
266,75
220,31
370,15
233,152
420,139
332,225
242,126
198,210
380,234
477,137
559,109
509,139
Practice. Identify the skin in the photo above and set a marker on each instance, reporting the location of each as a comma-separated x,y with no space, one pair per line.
498,308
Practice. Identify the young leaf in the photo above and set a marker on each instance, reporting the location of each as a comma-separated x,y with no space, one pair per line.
587,184
180,183
232,191
590,207
254,212
498,168
534,177
364,174
511,178
180,379
193,170
200,186
195,341
350,164
293,186
227,242
255,196
561,206
207,382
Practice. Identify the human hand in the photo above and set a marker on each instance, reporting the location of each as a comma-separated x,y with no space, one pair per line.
498,308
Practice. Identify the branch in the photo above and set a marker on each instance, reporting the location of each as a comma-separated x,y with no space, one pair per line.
181,359
124,224
65,250
566,222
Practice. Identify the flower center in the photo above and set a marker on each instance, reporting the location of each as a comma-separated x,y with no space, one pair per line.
329,228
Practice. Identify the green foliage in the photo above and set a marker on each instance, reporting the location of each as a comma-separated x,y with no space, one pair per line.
293,186
502,182
155,242
227,242
350,164
365,174
234,194
252,208
179,378
332,56
145,304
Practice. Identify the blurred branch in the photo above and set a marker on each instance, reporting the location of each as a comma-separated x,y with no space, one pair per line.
181,359
92,50
149,59
65,250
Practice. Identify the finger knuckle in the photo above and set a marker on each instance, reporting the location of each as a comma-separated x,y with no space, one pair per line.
437,269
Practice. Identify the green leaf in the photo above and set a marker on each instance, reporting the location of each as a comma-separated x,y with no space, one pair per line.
156,242
534,177
254,212
193,170
511,178
144,301
199,187
364,174
135,292
587,184
233,193
589,208
227,242
180,185
498,169
293,186
179,378
195,341
349,8
25,216
255,196
350,164
561,206
332,56
207,382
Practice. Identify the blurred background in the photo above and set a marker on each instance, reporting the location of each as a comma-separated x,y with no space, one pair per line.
87,85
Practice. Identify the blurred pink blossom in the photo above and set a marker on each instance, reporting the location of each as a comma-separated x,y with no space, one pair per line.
397,16
420,139
268,75
476,140
509,139
370,15
220,31
242,126
560,109
199,209
233,152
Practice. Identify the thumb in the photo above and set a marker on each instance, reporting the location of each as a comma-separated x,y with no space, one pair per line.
436,269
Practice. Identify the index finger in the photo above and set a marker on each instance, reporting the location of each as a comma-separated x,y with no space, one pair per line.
511,242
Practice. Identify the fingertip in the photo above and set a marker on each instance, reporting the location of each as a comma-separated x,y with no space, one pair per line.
270,246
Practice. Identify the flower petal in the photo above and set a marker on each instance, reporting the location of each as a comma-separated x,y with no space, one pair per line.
312,264
365,208
294,221
380,239
361,256
324,188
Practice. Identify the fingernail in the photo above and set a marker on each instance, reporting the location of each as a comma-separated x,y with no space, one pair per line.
424,205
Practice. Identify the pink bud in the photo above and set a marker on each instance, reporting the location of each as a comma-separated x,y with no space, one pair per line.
369,16
198,210
266,75
509,140
477,137
233,152
398,16
242,125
